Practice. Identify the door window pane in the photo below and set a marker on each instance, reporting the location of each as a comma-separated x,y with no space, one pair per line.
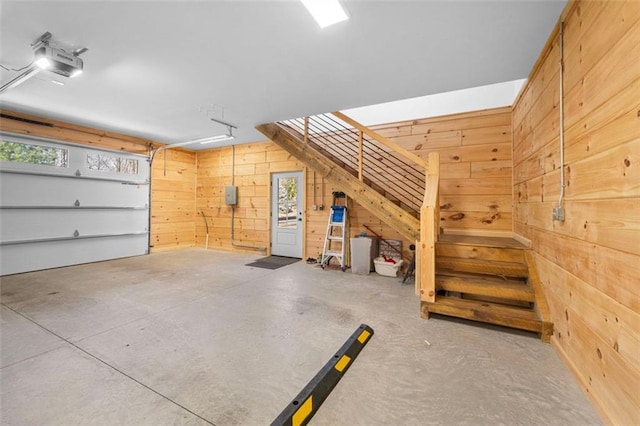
287,202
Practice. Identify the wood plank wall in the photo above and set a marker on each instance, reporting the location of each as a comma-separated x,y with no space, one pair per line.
254,164
172,196
316,220
475,166
590,263
173,200
251,173
30,125
475,151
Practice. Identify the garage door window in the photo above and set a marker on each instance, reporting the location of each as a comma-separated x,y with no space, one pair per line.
18,152
113,164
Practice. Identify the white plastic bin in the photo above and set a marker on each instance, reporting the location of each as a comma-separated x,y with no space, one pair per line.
387,269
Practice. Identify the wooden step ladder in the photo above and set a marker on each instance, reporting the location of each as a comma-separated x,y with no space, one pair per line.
335,240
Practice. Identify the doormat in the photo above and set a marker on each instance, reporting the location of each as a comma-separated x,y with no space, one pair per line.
273,262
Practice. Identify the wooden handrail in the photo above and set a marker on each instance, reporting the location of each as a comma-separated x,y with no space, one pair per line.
429,232
384,141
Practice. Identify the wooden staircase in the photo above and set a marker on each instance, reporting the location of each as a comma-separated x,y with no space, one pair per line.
385,209
491,280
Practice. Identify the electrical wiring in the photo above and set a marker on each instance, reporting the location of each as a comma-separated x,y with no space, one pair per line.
17,69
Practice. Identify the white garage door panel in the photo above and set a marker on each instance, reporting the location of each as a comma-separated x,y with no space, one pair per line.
36,256
22,224
91,205
34,190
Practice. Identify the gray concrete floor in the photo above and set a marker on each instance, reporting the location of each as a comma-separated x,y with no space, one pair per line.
196,337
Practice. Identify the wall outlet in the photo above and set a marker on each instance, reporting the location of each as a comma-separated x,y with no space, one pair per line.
558,214
314,207
321,207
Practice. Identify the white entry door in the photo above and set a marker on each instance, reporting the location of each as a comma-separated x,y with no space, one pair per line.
286,214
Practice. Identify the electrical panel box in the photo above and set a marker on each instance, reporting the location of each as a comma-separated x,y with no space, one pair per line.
231,195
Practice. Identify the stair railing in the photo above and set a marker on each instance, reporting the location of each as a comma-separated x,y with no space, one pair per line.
378,161
429,232
375,160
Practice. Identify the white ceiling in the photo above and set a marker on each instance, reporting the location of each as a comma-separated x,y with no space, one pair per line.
160,69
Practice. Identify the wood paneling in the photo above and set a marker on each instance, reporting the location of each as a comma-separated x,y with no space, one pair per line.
173,185
475,191
589,264
252,225
29,125
249,168
475,166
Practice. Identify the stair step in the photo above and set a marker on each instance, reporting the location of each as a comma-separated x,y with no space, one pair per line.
481,266
492,313
333,253
485,286
482,241
335,238
477,251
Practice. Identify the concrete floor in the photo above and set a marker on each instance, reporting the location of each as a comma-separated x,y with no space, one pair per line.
196,337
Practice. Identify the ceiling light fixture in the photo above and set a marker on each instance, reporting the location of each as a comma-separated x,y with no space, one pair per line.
58,61
43,63
218,138
326,12
46,57
221,138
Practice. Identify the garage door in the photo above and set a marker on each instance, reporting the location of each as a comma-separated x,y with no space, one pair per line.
65,204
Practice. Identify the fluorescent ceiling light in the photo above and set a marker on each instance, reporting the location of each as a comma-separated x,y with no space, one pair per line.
210,139
325,12
218,138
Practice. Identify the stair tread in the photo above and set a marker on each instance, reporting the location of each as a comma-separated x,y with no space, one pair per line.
483,241
491,267
494,313
485,285
333,253
472,260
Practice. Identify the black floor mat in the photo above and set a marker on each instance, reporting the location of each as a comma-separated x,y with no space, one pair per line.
273,262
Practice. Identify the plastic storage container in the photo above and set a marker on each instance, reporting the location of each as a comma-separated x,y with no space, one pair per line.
360,256
387,269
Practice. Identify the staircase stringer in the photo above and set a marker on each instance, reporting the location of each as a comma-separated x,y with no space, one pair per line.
540,305
394,216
